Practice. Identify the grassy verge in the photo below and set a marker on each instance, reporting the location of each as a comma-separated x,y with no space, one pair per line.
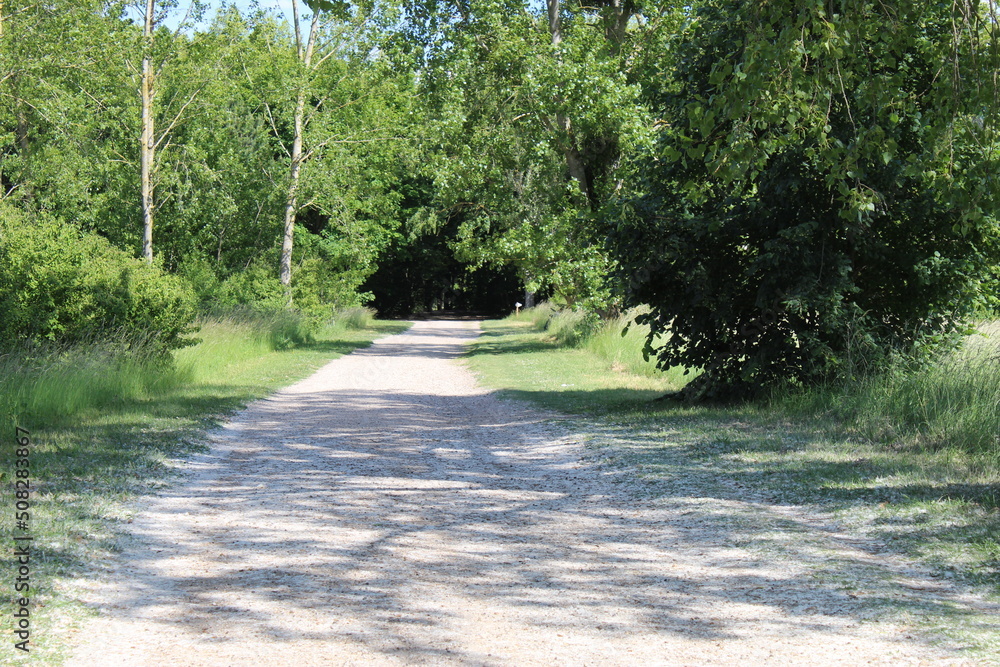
913,495
105,429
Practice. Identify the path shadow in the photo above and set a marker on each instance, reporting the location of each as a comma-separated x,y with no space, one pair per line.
372,498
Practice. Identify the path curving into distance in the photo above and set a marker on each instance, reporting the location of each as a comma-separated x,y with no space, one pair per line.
389,511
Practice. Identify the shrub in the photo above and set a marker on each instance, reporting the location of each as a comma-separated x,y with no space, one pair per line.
205,284
779,226
316,290
59,284
256,288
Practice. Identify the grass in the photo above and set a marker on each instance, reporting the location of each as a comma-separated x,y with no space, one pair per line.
106,429
355,318
905,460
952,404
532,365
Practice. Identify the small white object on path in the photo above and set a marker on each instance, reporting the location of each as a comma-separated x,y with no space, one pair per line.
390,511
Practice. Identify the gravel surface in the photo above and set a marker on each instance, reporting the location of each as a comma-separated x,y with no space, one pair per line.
388,510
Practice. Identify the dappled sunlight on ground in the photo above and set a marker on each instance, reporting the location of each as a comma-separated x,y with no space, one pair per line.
390,511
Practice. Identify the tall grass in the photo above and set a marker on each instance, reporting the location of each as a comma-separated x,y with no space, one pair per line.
538,316
354,318
568,327
953,403
572,328
54,383
603,338
623,352
51,383
228,341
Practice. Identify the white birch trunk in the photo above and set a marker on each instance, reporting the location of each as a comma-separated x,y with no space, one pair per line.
291,203
148,148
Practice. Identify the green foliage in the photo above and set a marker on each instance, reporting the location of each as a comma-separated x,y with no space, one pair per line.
810,183
59,284
226,96
530,138
844,208
256,287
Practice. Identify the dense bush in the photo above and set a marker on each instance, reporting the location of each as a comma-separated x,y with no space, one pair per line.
318,289
255,288
59,284
789,225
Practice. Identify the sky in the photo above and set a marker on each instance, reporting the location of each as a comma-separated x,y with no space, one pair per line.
282,6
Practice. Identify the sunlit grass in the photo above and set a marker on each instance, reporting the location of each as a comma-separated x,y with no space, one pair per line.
531,364
951,404
907,459
107,427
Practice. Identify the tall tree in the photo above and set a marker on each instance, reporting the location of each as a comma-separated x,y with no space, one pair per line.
334,107
532,112
304,53
147,143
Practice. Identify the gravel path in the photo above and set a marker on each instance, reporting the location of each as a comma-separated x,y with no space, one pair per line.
388,510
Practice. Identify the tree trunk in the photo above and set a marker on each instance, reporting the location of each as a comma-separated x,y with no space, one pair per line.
291,203
290,198
554,26
148,147
616,22
574,162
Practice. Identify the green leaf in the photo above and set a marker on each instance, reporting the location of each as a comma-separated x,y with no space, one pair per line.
333,6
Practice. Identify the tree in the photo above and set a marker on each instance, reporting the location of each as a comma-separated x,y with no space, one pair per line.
149,142
40,89
531,110
335,109
822,190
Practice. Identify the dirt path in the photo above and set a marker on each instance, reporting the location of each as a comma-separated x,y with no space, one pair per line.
387,510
